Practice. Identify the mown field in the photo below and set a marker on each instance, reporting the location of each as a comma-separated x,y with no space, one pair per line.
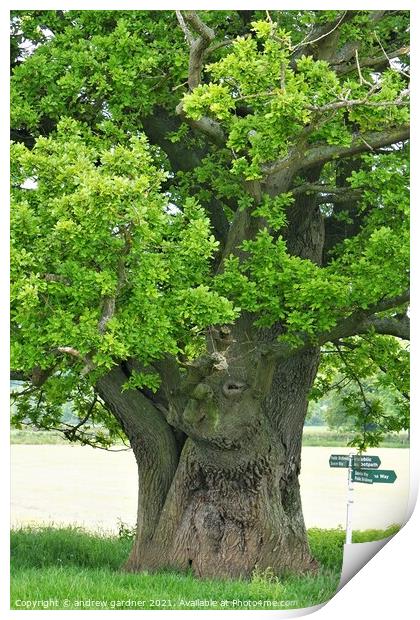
313,436
70,568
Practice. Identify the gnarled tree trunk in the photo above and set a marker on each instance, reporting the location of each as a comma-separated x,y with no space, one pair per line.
231,503
234,504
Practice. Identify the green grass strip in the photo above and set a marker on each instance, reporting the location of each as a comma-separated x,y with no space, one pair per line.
69,568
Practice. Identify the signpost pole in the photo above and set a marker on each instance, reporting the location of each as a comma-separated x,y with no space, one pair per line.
350,501
364,469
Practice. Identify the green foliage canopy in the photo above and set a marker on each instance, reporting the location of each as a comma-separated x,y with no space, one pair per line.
116,249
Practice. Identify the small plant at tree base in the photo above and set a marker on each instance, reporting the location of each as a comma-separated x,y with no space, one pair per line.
264,582
125,531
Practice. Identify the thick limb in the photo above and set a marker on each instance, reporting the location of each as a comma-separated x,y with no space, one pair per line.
154,446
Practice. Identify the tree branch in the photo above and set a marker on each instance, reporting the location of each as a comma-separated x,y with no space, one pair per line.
324,34
341,103
19,375
217,46
360,143
388,58
184,157
184,27
399,327
198,46
108,309
373,62
337,105
70,433
300,159
53,277
70,351
322,39
359,322
207,126
328,193
350,48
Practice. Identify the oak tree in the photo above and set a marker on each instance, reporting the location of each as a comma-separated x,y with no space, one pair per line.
209,222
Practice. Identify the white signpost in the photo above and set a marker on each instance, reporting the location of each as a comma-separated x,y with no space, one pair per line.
358,471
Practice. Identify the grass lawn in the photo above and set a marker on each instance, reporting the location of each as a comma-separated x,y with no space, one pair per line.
69,568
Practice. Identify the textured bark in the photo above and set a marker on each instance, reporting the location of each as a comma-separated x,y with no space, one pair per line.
231,502
226,516
234,502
